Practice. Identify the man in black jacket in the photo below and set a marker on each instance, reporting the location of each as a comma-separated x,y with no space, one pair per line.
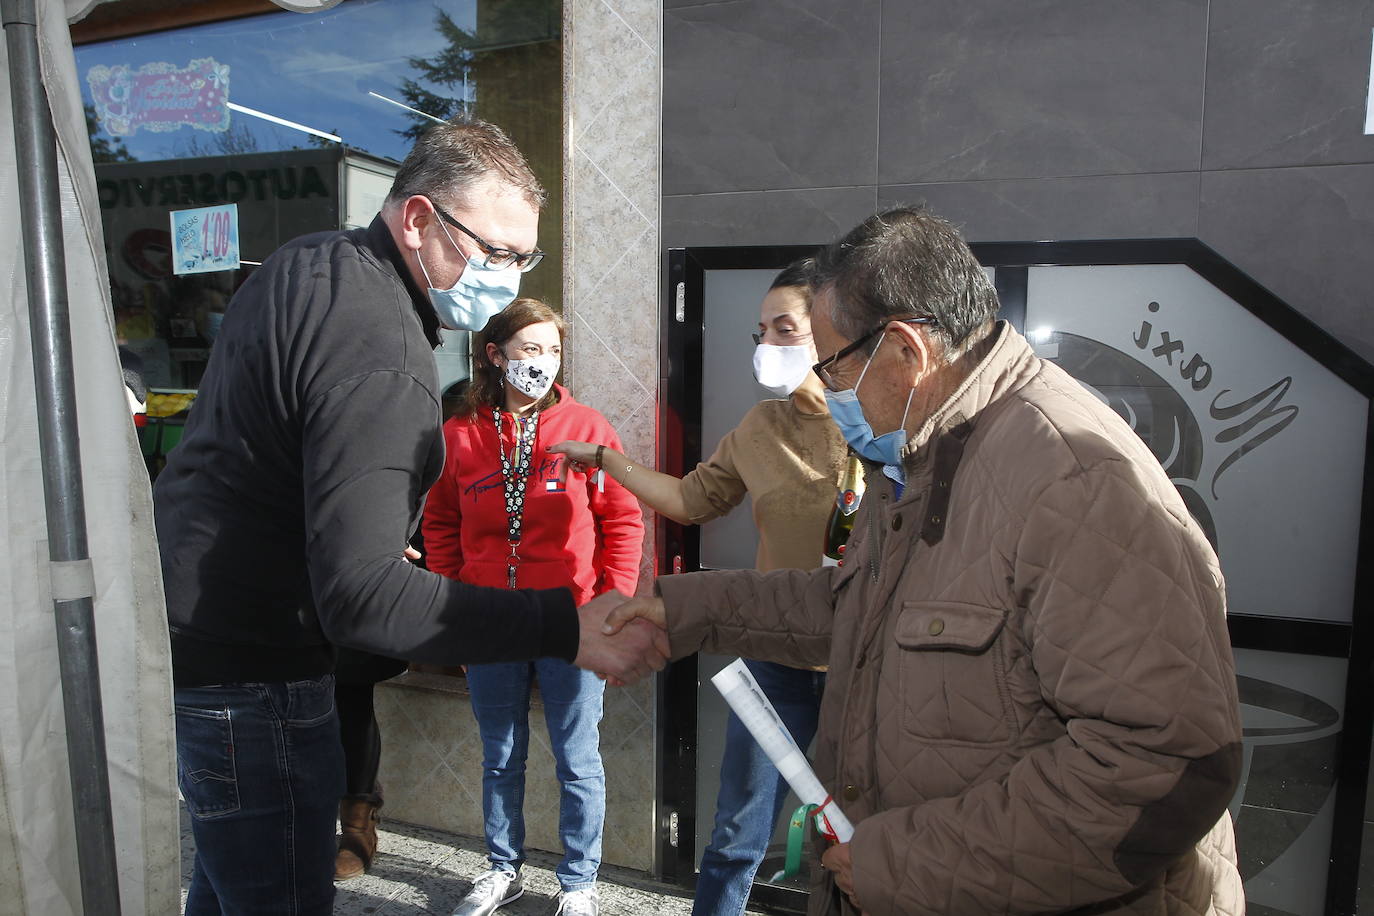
284,514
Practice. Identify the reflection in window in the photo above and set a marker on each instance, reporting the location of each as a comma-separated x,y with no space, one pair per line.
346,72
299,121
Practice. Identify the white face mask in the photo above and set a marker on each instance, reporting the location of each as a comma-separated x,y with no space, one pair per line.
781,369
533,377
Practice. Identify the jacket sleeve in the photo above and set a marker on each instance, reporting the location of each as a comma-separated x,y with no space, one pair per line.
783,616
442,522
714,487
1125,629
620,529
366,442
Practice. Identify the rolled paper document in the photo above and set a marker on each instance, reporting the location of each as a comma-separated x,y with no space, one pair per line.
749,702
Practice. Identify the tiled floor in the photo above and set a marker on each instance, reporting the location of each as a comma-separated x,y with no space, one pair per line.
423,872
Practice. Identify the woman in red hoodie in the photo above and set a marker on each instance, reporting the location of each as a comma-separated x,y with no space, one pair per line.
500,516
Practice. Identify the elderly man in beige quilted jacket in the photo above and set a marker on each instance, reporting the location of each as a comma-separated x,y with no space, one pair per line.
1032,701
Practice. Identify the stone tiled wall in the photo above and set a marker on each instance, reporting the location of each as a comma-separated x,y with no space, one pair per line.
431,752
613,68
432,765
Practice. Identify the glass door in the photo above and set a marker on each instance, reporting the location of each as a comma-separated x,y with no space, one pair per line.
1261,420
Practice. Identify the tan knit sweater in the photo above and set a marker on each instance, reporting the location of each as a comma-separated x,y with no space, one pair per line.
790,462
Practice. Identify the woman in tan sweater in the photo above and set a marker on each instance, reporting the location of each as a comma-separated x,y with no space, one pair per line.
789,456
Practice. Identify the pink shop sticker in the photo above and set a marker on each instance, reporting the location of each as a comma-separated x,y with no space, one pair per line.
160,97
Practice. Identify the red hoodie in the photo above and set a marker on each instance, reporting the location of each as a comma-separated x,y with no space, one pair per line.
572,536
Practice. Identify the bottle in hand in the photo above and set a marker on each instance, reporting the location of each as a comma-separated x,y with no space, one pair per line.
842,513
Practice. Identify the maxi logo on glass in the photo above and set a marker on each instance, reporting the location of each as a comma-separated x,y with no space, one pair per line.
1252,420
1239,417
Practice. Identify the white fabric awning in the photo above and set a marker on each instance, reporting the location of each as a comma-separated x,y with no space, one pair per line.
38,864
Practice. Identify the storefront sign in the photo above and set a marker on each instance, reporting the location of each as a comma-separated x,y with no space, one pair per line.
156,189
160,97
205,239
279,195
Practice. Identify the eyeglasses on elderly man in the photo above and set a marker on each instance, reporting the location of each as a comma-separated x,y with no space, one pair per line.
824,367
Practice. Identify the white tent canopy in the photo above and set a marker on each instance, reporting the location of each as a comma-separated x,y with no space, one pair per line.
38,836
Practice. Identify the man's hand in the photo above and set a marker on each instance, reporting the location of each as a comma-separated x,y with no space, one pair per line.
625,654
651,609
836,861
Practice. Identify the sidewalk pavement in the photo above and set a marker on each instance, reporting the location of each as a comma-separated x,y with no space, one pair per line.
424,872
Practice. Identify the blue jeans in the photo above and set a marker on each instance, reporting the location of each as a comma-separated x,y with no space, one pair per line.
261,769
751,791
572,712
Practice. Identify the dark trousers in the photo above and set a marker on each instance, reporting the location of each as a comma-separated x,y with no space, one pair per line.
261,769
751,790
360,736
356,673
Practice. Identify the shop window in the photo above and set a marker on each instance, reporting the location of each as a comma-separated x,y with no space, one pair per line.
298,122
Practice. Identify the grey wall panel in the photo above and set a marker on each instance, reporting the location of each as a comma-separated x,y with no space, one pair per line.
1103,207
1305,233
765,217
1287,82
1017,89
770,94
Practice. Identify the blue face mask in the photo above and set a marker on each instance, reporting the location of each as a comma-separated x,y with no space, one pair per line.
848,415
479,292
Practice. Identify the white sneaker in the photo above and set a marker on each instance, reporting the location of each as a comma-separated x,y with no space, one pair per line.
577,903
492,889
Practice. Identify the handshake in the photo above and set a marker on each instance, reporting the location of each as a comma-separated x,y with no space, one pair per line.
622,639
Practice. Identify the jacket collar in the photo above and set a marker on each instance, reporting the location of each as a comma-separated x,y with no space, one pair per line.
377,238
1007,365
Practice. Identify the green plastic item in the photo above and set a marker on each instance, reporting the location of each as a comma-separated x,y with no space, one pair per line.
796,837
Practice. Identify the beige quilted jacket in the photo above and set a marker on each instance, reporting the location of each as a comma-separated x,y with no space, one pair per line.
1032,702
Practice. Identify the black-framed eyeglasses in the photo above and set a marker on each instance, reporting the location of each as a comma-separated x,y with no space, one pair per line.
822,368
496,258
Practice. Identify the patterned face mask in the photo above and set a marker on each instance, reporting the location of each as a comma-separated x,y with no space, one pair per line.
533,377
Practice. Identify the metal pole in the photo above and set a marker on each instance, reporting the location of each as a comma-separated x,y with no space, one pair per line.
73,584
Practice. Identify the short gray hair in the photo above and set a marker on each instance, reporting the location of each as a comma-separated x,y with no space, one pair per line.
907,263
450,158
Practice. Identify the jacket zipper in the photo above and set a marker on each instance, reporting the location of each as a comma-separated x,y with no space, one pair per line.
873,541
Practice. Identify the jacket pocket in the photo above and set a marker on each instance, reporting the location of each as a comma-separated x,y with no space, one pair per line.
842,576
952,672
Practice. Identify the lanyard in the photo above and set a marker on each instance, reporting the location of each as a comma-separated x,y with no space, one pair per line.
514,476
